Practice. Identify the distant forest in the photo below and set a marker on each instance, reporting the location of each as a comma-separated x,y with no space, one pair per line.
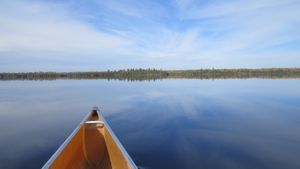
154,74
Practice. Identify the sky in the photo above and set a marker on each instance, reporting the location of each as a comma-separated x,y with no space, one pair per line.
81,35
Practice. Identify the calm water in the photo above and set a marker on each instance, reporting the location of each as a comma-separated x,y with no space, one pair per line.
167,124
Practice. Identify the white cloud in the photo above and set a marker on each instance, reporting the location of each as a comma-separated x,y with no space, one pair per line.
248,29
122,34
170,44
37,27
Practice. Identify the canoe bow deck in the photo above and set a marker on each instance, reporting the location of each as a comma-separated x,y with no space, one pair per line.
92,145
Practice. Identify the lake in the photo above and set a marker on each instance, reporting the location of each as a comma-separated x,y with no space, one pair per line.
163,124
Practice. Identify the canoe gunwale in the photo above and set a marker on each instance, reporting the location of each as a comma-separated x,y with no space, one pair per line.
124,152
76,130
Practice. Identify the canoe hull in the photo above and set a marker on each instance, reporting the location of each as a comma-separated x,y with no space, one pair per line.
91,146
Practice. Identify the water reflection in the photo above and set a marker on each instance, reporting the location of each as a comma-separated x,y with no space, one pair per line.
163,124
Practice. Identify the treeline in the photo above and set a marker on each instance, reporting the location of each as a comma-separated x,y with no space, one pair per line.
128,74
154,74
236,73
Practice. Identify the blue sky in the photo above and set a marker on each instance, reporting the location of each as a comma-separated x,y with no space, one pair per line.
57,35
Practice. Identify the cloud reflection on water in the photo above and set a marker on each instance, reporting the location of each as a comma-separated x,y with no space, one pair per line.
163,124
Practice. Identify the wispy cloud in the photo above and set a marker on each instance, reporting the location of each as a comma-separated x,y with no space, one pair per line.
249,30
98,35
37,27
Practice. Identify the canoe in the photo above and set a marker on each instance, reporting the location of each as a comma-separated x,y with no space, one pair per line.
92,145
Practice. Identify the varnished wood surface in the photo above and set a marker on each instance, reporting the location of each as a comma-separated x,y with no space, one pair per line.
92,147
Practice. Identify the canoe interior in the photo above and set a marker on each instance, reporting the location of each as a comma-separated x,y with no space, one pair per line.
92,147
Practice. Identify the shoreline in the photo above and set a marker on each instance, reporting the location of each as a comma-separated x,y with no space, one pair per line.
155,74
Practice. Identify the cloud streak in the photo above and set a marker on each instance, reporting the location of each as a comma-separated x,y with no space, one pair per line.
179,34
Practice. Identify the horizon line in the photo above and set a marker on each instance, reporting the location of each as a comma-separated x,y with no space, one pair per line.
158,69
